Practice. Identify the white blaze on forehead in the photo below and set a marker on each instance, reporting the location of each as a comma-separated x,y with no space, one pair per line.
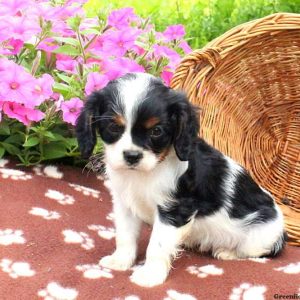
132,92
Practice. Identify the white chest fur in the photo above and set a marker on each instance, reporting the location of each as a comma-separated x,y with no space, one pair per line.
142,191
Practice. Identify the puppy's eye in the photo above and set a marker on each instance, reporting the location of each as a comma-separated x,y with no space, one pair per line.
114,128
156,132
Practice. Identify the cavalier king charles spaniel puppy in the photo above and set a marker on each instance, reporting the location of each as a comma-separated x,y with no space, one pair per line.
160,172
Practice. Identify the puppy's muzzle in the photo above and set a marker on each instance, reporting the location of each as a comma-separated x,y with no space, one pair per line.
132,157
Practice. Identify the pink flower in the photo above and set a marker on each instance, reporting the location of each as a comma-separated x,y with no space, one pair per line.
22,113
67,65
21,28
11,47
17,85
164,51
71,110
43,89
167,75
118,42
128,65
122,17
12,7
185,47
95,81
174,32
48,45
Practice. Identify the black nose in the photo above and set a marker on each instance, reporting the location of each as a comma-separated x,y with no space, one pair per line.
132,156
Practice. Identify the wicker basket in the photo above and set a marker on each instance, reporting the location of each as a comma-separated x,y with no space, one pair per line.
247,82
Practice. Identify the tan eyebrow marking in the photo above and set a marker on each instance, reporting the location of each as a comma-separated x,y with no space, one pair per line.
151,122
119,120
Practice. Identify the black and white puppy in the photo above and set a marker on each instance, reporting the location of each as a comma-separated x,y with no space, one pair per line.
162,173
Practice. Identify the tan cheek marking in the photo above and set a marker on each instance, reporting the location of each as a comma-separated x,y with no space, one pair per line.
119,120
151,122
163,155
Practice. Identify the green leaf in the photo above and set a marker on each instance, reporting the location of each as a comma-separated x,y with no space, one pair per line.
4,129
15,139
64,78
54,150
55,137
70,41
11,149
2,151
90,31
68,50
61,88
31,141
72,142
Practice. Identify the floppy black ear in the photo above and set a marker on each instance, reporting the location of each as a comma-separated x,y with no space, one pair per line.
187,126
87,122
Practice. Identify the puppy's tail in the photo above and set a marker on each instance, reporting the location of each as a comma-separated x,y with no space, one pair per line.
278,245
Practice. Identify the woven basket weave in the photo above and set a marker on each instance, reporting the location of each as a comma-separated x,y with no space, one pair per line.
247,82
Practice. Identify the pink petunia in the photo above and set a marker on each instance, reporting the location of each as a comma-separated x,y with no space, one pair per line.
118,42
67,65
122,17
164,51
13,7
43,89
48,45
128,65
167,75
71,110
16,85
11,47
95,81
174,32
185,47
21,113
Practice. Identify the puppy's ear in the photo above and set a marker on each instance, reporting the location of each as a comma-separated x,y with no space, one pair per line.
87,122
187,126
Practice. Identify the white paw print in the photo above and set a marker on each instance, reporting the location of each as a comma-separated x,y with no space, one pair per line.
60,197
82,238
261,260
110,216
44,213
174,295
54,291
105,232
94,271
3,162
204,271
85,190
14,174
247,291
49,171
292,268
9,237
16,269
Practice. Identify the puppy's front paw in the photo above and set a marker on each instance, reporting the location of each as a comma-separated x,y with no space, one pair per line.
117,261
225,255
149,275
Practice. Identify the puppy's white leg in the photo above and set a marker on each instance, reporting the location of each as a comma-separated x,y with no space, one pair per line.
164,242
127,232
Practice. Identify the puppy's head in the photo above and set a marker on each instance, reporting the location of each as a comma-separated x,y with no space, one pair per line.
139,120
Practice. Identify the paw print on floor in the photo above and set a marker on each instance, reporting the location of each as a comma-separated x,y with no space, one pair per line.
10,236
16,269
49,171
85,190
54,291
174,295
204,271
60,197
44,213
110,216
94,271
14,174
105,232
261,260
292,268
247,291
82,238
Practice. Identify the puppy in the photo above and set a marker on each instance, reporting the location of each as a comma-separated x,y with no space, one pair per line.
160,172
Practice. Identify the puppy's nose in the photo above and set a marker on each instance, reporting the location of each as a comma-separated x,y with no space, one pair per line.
132,156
